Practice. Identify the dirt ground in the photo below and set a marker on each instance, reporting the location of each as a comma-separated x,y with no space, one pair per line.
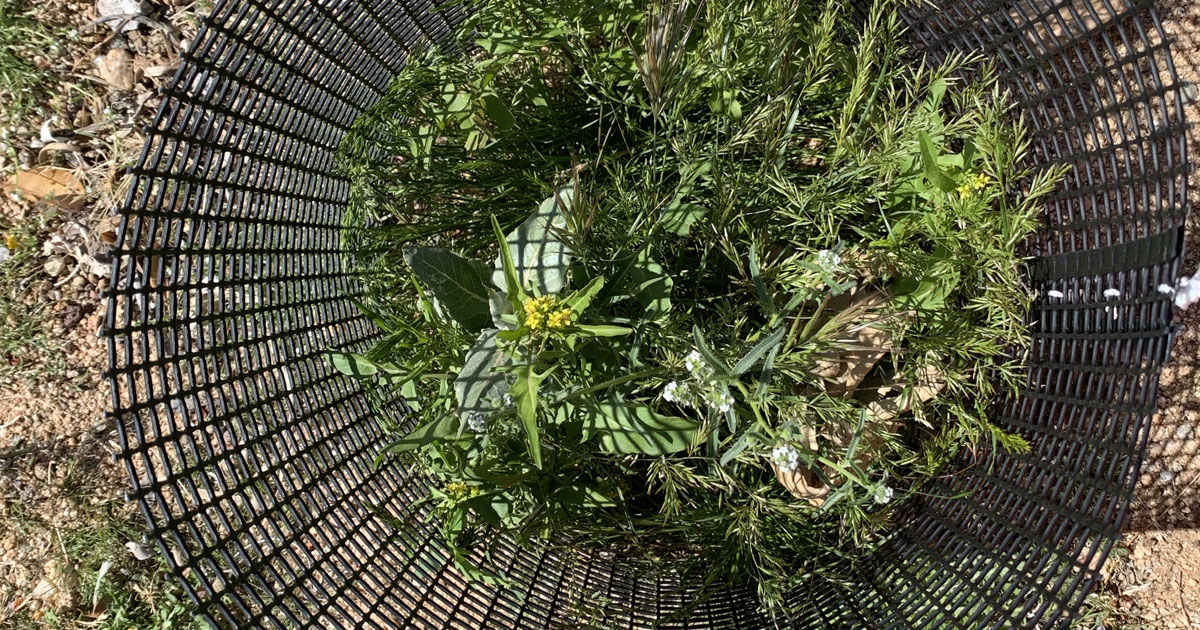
80,77
69,545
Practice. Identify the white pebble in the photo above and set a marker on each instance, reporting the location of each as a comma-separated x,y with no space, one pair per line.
1055,294
1112,293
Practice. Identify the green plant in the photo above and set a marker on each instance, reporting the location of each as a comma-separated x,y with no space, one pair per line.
26,345
707,283
21,37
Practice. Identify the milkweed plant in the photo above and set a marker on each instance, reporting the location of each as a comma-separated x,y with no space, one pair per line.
709,285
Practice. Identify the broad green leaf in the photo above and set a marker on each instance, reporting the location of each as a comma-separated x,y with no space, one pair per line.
578,301
633,428
509,280
498,112
678,219
651,285
474,573
479,383
500,306
539,257
929,154
351,364
585,496
600,330
492,507
759,350
409,391
459,284
444,426
524,392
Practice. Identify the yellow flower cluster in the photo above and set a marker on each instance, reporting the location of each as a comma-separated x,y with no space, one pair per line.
978,183
540,313
460,491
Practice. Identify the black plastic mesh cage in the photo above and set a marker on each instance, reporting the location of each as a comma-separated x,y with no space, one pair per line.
251,458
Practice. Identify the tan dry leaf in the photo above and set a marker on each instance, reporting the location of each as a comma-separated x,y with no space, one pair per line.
56,186
803,483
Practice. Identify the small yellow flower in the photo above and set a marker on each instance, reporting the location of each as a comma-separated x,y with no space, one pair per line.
965,190
539,313
459,491
11,243
981,181
560,318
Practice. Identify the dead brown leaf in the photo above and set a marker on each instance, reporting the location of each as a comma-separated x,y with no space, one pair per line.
56,186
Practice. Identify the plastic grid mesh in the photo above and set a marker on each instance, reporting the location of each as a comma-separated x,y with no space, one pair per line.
252,460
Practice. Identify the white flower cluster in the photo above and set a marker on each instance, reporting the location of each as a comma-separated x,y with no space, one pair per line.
883,494
700,388
828,260
1188,291
477,422
786,457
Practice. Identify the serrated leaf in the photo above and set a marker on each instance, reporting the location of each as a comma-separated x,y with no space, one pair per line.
539,257
933,172
651,285
524,392
680,218
498,112
351,364
625,428
479,382
459,284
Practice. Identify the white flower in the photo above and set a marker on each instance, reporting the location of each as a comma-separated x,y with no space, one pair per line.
477,422
785,457
1055,293
507,400
828,259
693,362
720,400
1165,289
671,392
1188,292
1112,293
883,494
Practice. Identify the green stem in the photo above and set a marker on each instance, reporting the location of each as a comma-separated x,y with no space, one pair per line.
606,384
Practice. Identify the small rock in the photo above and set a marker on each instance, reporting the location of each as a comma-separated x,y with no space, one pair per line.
116,68
1166,476
55,266
1184,432
114,8
139,550
1190,93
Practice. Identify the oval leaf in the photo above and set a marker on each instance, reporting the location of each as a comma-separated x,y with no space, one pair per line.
459,284
539,257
